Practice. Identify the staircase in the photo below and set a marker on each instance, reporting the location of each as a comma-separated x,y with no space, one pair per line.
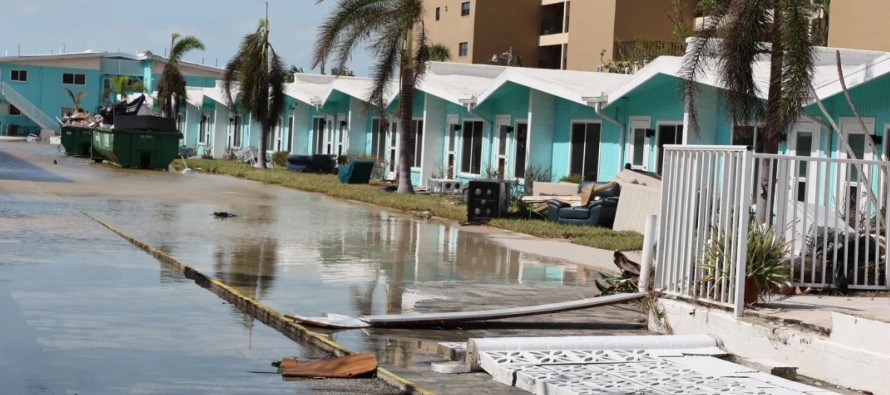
28,109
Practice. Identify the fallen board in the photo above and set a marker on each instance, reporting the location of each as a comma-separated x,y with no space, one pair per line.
358,365
396,320
331,321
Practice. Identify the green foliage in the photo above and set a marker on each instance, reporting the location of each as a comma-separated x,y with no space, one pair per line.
279,158
291,77
765,259
75,99
573,178
172,85
122,85
342,71
437,53
444,207
256,78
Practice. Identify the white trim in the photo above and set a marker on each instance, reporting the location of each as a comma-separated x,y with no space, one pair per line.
423,135
572,123
815,132
654,147
460,149
341,135
855,129
451,120
632,149
757,125
501,120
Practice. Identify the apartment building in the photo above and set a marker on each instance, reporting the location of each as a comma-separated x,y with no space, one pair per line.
859,24
552,34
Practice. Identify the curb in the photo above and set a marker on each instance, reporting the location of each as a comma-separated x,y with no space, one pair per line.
259,311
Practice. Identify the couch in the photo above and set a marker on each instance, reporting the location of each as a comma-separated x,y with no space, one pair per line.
600,212
310,163
356,172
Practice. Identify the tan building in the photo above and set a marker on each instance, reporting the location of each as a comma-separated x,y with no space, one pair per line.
859,24
554,34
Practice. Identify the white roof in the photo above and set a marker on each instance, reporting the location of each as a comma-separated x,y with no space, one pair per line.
825,70
217,94
309,88
195,96
855,76
569,85
455,82
359,88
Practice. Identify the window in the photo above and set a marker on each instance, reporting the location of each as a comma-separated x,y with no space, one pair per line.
13,110
471,153
393,146
317,131
180,122
416,143
465,9
438,13
290,132
453,132
463,49
205,128
667,135
378,138
18,75
503,149
236,133
585,150
341,135
521,146
745,135
65,111
74,79
638,144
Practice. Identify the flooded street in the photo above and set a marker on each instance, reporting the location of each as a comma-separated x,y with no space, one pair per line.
83,300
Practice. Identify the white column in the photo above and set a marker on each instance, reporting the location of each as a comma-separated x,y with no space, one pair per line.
433,143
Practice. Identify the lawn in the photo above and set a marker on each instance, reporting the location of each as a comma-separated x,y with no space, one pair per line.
445,208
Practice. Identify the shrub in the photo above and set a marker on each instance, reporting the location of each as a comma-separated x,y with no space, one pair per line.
280,158
573,178
765,259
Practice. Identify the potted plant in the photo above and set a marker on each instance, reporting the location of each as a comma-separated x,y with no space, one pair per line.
765,271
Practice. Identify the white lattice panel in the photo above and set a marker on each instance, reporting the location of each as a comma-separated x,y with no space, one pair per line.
613,372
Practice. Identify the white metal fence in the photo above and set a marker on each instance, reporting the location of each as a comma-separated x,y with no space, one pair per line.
831,211
703,202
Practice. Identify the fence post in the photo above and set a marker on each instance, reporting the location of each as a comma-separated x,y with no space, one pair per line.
743,221
649,240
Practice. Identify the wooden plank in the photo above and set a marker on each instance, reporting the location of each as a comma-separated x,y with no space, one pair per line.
331,321
358,365
394,320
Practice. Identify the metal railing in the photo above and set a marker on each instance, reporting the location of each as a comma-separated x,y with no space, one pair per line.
703,203
646,50
833,214
28,109
552,26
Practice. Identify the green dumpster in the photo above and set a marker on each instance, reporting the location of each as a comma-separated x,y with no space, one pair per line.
77,140
137,149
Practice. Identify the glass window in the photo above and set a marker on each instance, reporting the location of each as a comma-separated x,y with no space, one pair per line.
438,13
317,131
13,110
19,75
521,144
585,150
857,143
74,79
471,153
463,49
639,146
465,9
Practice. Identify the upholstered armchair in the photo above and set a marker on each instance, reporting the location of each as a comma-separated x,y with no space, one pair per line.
597,212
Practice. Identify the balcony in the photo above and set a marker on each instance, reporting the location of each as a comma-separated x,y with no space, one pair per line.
553,64
641,49
552,26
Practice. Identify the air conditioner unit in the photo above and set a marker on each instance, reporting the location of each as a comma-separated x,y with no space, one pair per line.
599,69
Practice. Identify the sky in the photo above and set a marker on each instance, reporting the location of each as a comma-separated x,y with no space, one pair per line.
41,26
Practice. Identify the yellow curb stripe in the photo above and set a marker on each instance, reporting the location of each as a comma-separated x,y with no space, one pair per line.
254,308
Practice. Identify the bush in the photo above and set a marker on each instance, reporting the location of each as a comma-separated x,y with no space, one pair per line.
573,178
280,158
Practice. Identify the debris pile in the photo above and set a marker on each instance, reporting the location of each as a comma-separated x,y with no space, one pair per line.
350,366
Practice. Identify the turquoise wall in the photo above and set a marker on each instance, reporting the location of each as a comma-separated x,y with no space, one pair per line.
566,113
44,89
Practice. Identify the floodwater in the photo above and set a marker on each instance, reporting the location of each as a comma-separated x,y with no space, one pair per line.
299,253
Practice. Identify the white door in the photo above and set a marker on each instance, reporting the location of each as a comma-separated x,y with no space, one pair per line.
638,142
279,134
804,142
342,134
318,126
330,124
451,138
853,190
520,151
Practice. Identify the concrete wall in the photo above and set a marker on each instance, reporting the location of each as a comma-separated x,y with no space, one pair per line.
838,359
452,29
542,119
568,113
502,24
591,30
859,24
433,137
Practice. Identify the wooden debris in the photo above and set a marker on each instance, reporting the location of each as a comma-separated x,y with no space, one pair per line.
351,366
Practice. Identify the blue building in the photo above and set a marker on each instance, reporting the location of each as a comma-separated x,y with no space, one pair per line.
32,87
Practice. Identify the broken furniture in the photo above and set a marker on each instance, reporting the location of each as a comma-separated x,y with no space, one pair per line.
598,210
442,185
356,172
487,199
310,163
640,197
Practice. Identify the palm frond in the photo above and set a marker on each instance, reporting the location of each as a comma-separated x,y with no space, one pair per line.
696,62
438,53
748,23
183,46
797,64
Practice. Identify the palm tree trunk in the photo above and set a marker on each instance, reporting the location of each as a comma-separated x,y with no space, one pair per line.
261,151
773,133
406,156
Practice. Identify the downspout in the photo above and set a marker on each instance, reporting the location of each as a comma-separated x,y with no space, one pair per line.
471,105
597,103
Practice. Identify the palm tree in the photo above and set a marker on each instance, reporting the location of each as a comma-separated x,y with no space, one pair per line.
394,33
438,53
821,25
256,75
121,85
76,99
291,71
171,86
737,45
343,72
